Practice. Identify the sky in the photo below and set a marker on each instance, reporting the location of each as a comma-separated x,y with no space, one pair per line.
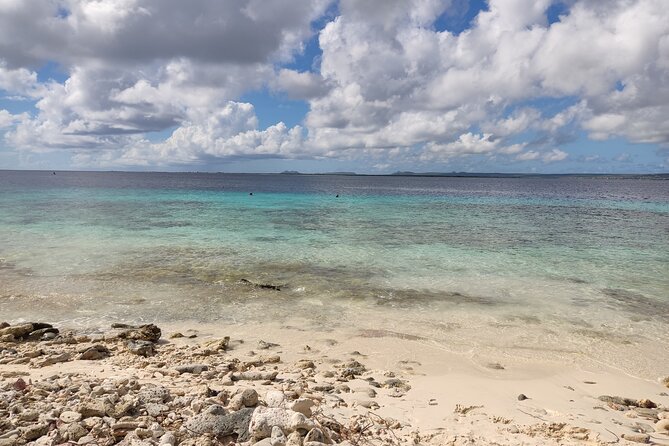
370,86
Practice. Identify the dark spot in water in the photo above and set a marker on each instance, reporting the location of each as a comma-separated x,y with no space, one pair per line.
377,333
636,302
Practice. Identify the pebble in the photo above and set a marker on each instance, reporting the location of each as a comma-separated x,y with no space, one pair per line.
522,397
195,369
637,438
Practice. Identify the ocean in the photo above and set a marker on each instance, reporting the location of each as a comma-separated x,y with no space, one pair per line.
532,265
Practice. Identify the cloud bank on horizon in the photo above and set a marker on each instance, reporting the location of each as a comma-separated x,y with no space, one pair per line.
499,85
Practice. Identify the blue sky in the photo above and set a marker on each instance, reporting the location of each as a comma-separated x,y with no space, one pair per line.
317,86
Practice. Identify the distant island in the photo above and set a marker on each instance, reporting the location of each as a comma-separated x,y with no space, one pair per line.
406,173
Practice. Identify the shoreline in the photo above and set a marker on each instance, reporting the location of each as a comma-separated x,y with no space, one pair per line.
437,396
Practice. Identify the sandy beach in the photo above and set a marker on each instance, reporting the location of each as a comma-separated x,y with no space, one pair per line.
364,387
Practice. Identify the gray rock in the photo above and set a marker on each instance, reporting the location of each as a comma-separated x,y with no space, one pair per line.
277,438
215,421
39,335
141,348
168,439
153,394
29,415
315,434
522,397
154,409
75,431
249,397
254,376
275,398
92,408
94,353
35,431
195,369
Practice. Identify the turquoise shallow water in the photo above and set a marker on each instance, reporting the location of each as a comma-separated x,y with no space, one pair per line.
587,257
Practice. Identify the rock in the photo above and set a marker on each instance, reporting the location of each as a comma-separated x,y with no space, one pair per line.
367,404
264,418
18,331
302,405
39,334
646,404
662,426
262,345
11,441
305,364
254,376
637,438
396,383
94,353
141,348
195,369
75,431
315,434
264,442
275,398
19,385
69,416
522,397
294,439
352,368
7,338
92,408
176,335
278,438
149,332
214,420
249,397
665,381
218,344
153,394
154,409
167,439
618,400
29,415
54,359
121,409
35,431
87,439
266,286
